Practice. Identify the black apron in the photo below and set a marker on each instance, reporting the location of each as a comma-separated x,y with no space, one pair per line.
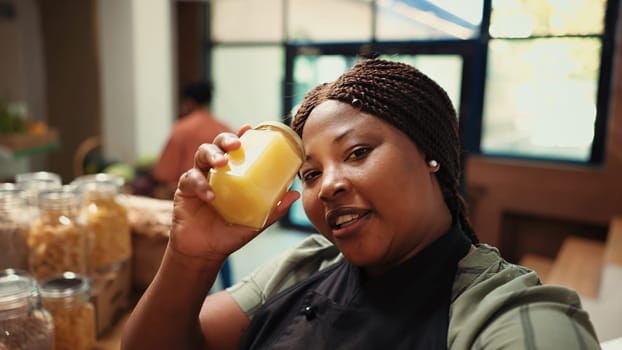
405,308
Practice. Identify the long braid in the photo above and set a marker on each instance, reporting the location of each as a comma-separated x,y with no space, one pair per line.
408,99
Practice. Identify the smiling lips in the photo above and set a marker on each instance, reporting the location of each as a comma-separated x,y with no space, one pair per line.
345,219
342,217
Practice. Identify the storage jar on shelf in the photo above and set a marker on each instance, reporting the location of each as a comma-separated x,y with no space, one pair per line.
15,220
24,323
66,297
58,241
107,220
35,182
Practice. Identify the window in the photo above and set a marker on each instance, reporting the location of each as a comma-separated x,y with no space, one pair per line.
544,60
529,78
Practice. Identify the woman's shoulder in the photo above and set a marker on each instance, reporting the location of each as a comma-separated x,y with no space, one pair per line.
492,297
484,274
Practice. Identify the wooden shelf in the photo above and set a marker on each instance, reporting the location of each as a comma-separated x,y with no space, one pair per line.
14,146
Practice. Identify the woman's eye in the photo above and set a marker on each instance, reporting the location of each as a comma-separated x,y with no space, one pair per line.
309,175
359,153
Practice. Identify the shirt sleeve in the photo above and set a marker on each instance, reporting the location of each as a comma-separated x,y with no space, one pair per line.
498,305
541,325
313,254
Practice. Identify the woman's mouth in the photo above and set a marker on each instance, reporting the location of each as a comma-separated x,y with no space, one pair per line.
344,221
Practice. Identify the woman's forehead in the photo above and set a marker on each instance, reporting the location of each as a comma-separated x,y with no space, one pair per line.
335,116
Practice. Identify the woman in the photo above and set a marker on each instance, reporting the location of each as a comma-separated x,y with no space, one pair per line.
398,265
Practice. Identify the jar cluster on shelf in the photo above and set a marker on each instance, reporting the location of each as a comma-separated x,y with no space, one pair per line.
62,242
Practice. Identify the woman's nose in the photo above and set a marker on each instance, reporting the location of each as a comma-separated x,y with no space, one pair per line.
333,184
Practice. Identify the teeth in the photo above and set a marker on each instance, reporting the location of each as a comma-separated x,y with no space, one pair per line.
346,218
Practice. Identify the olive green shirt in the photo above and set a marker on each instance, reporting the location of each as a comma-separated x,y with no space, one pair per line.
495,304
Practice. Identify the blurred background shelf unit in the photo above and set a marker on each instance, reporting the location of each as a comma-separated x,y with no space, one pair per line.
17,151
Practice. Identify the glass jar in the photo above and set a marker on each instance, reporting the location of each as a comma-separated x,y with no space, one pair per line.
14,224
257,175
66,297
106,219
58,241
24,323
35,182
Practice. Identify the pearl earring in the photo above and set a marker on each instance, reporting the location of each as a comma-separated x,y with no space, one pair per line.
433,163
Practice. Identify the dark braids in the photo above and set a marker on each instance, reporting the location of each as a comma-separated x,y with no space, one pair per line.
409,100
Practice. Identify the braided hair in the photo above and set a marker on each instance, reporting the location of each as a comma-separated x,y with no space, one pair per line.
412,102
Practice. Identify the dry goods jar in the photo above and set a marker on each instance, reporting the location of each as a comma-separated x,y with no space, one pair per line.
24,323
107,220
66,297
15,220
58,241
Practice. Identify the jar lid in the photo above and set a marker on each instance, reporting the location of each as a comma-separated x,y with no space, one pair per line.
16,287
99,178
12,203
8,186
38,176
65,285
58,197
291,135
13,194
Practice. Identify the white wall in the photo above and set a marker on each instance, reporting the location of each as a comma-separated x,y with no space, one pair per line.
154,71
137,76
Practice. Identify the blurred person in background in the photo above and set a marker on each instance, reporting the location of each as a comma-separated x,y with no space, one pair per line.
196,125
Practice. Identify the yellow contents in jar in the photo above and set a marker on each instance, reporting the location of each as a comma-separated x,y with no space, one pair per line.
56,247
109,223
74,327
257,175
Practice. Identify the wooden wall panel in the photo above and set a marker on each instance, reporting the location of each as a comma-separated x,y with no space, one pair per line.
72,76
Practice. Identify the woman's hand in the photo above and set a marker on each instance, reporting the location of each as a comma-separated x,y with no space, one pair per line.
199,232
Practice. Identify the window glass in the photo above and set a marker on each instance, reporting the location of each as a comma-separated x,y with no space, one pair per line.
513,18
446,70
247,20
541,97
329,20
435,19
247,84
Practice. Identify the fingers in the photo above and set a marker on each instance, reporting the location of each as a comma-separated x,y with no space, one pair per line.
244,129
194,183
210,155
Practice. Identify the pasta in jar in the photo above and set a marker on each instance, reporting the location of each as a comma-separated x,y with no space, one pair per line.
66,297
58,241
107,220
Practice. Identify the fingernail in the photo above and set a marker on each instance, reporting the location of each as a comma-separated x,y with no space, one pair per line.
209,195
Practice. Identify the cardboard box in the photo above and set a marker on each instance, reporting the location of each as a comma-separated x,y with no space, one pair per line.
150,220
110,295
